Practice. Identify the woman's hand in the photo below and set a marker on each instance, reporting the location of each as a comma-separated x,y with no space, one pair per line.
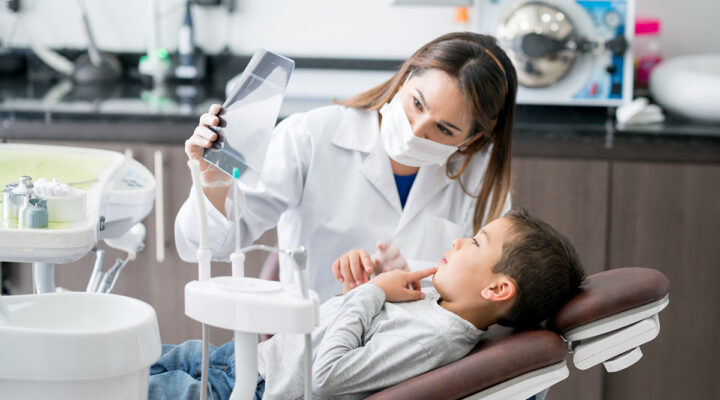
388,258
202,138
401,285
353,268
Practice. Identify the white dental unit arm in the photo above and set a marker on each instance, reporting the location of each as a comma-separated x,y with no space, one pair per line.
249,306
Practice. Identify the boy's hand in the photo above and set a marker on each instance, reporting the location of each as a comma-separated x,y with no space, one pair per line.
353,268
395,284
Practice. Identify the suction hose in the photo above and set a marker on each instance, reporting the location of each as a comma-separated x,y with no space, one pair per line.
204,257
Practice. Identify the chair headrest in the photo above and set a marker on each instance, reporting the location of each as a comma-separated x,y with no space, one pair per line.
611,292
501,354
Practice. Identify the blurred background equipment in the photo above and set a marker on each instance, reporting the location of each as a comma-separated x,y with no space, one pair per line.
92,67
566,52
646,51
189,60
689,86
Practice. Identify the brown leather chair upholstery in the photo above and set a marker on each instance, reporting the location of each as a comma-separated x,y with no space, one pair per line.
611,292
501,355
504,354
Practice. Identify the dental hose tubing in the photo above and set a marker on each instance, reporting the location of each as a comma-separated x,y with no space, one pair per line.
308,367
194,166
205,361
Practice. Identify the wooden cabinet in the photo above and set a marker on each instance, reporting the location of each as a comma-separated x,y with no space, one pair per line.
664,216
667,217
572,196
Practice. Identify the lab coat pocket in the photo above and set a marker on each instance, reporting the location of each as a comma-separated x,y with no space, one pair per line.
449,229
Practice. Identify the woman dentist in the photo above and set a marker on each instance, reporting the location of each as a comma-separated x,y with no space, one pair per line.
420,159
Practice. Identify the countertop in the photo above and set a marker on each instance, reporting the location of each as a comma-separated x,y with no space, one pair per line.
132,111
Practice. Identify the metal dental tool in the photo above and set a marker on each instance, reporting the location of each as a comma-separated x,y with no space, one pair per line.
132,242
110,277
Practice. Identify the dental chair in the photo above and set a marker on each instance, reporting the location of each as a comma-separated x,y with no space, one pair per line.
615,313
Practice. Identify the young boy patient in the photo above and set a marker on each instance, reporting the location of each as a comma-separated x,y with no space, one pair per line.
517,271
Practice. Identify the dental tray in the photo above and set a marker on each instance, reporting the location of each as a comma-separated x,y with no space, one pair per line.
119,192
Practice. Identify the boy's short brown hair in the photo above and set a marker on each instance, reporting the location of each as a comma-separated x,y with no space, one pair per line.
544,265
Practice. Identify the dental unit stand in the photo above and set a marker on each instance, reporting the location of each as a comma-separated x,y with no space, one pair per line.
118,192
248,306
118,335
44,277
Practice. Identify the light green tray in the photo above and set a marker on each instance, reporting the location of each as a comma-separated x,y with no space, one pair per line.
43,164
66,168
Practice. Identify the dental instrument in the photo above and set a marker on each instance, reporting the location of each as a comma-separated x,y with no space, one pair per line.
131,242
107,284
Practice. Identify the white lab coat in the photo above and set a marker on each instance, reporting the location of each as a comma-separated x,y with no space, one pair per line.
327,184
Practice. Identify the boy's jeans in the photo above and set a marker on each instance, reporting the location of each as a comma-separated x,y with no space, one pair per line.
176,375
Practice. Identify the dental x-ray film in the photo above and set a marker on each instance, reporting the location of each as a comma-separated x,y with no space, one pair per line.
249,116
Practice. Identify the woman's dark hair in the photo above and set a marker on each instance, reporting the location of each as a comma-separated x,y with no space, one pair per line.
487,78
544,265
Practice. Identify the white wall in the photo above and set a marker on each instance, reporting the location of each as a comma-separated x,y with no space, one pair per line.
311,28
688,26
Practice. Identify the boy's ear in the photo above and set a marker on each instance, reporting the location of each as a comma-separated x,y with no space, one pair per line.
501,289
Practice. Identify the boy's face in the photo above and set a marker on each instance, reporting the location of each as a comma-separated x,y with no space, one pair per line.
466,269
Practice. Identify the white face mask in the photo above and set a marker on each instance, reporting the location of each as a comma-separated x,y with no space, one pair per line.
402,145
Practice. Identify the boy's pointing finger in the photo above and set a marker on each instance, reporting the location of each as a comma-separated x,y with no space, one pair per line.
423,273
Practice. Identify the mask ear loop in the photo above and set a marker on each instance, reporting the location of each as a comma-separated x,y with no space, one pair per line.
462,146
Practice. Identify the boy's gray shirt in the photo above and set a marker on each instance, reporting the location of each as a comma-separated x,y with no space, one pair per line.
364,344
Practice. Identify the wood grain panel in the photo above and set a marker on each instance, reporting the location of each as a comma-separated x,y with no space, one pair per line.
572,196
667,217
